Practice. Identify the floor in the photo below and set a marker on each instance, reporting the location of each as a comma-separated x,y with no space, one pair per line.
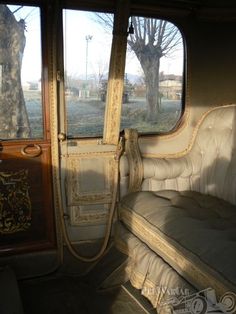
102,290
66,295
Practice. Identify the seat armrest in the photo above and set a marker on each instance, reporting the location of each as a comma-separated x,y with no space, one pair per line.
134,159
178,171
165,168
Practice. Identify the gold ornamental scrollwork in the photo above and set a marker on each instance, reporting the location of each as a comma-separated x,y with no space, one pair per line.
15,204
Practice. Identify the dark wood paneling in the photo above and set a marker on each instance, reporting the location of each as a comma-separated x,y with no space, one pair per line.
41,232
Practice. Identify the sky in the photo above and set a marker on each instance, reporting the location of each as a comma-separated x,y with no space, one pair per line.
95,52
31,64
99,47
82,55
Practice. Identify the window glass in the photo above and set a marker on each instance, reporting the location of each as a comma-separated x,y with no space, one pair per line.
20,72
153,83
87,47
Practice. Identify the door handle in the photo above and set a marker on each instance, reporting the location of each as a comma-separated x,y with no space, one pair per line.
61,137
34,150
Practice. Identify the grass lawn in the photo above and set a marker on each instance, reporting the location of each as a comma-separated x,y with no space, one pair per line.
85,118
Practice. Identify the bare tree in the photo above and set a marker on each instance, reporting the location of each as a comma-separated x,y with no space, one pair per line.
14,121
100,71
151,40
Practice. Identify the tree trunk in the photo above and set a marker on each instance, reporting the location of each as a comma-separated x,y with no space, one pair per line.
151,72
14,121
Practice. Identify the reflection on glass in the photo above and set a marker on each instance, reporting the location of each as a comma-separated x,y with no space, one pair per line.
87,46
20,59
153,84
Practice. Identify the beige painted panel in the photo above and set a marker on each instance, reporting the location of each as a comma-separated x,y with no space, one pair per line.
89,178
88,214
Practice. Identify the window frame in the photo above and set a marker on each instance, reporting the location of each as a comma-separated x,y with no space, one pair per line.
115,7
171,16
45,68
62,100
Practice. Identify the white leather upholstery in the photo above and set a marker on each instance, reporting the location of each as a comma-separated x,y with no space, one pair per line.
210,166
193,232
186,212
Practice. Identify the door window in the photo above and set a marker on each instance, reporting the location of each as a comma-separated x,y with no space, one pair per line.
20,72
87,47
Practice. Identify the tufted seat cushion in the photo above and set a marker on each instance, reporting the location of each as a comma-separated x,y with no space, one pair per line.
195,233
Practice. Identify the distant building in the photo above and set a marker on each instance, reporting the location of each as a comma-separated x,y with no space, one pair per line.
32,85
170,86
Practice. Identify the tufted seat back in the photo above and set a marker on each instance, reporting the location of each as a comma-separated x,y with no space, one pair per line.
208,167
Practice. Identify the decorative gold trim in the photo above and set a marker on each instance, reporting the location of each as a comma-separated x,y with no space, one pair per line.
192,272
192,140
87,199
90,217
53,100
15,203
116,74
89,154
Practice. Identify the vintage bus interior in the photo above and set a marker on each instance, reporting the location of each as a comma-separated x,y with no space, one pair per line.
117,156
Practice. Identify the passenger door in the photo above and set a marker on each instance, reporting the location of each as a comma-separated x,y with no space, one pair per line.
90,117
26,202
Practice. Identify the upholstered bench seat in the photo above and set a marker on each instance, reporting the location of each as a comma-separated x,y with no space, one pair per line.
181,212
194,233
